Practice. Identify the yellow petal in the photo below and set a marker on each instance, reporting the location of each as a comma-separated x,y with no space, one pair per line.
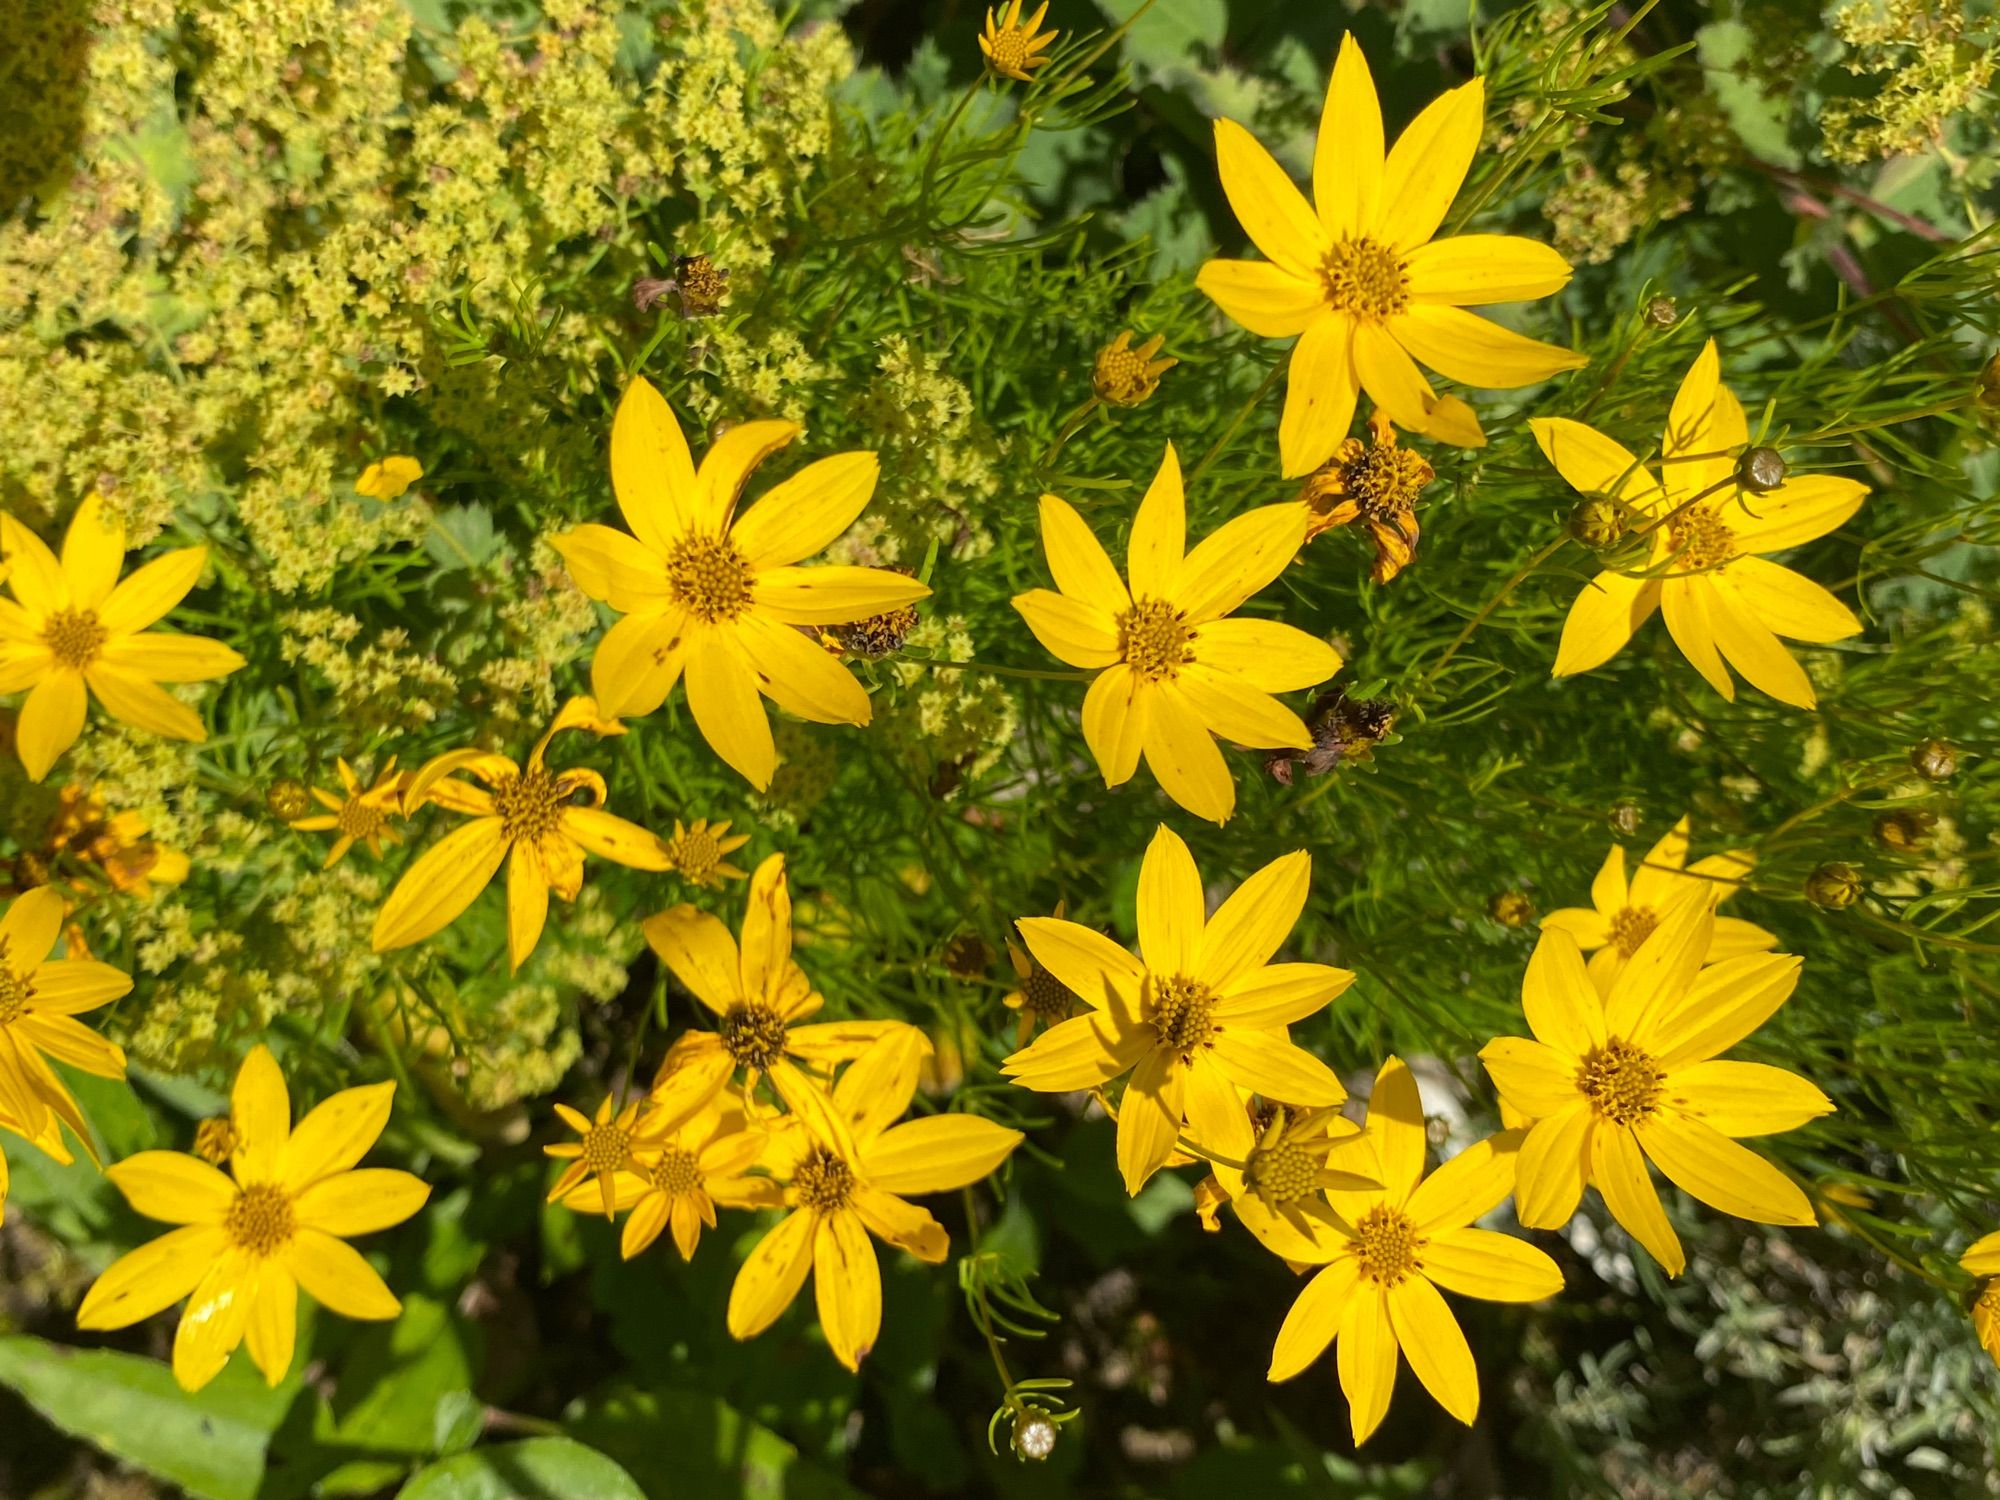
1171,907
1798,511
527,903
1266,202
1478,352
1726,1002
1609,892
271,1327
1267,299
727,465
832,595
1321,388
152,1278
1315,1317
1232,709
1366,1358
801,516
1252,925
441,884
1473,270
50,721
1492,1267
609,565
847,1285
938,1154
1238,559
699,950
1784,602
260,1107
34,573
1553,1163
1684,603
1621,1177
1116,715
1080,1053
771,1276
1396,1123
21,667
1468,1187
1750,647
1606,613
131,699
652,472
1656,977
93,552
151,591
799,675
1595,464
1265,1063
1184,757
163,657
334,1272
1534,1078
1279,994
350,1203
1562,1005
335,1134
722,696
1270,656
878,1085
767,930
1159,533
1391,378
904,1225
1693,410
1214,1109
1435,1346
638,662
1745,1098
1095,968
1427,165
1982,1256
29,928
1709,1166
1348,154
649,1216
211,1325
617,839
173,1188
1076,632
1149,1117
1584,925
1077,560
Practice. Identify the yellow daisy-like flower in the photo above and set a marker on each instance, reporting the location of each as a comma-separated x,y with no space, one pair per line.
1012,48
1199,1015
524,817
40,998
1982,1259
1174,672
699,852
1038,996
245,1247
1124,376
1614,1081
359,814
73,630
1705,568
114,845
389,478
605,1147
1623,914
1390,1251
1363,281
719,596
852,1172
759,994
679,1173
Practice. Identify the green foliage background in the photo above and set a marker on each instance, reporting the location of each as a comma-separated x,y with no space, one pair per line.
253,246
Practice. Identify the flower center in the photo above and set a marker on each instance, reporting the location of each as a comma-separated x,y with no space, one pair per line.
260,1220
1008,49
1622,1083
530,805
1282,1172
1390,1244
709,577
1385,481
754,1035
1364,277
1633,926
1045,996
1154,637
823,1181
694,853
1181,1010
677,1172
606,1147
1700,539
74,637
358,819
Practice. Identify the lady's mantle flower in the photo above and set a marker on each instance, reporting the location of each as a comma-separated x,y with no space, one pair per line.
1360,277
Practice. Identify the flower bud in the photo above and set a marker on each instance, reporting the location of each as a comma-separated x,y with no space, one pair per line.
1760,469
1986,393
1903,831
1596,523
288,799
1625,818
1034,1436
1934,760
1511,909
1661,312
30,870
1834,886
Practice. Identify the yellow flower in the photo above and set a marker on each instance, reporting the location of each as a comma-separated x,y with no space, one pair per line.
604,1148
113,843
1705,569
851,1171
1012,49
388,478
1982,1259
1621,916
1616,1080
1124,376
1393,1247
1200,1015
524,817
358,812
40,998
72,625
1377,484
1365,283
758,995
245,1247
1175,672
1040,998
1279,1192
49,1139
718,595
679,1172
699,852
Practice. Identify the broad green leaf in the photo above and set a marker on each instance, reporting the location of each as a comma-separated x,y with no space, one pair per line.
550,1468
683,1443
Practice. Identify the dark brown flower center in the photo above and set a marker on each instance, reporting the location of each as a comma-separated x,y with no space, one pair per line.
823,1181
754,1035
1044,996
530,805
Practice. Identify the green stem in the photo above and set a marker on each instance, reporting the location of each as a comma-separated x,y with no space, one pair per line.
1235,422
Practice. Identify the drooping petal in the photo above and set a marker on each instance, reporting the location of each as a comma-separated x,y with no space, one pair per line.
772,1275
652,472
1492,1267
1315,1317
172,1188
338,1278
801,516
1745,1098
1606,613
1474,270
152,1278
1727,1001
1321,389
907,1226
1709,1166
832,594
722,695
1349,152
1265,1063
150,592
1785,602
441,884
1078,562
1149,1118
1478,352
847,1283
527,903
700,951
1184,757
1073,630
1427,165
1532,1077
1435,1346
1619,1171
1269,206
799,676
1269,300
1366,1359
159,656
1685,607
938,1154
1250,927
617,839
1238,559
50,721
350,1203
1158,542
1268,655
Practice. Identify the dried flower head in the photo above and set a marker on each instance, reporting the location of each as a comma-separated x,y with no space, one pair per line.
701,284
1376,484
1344,729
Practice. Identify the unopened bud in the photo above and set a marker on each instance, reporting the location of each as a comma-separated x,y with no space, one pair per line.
1835,886
1662,313
30,870
1986,392
1934,760
1596,523
1760,469
1625,819
1903,832
1511,909
288,799
1034,1436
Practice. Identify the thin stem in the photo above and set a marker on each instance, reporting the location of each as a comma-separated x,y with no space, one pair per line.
1235,422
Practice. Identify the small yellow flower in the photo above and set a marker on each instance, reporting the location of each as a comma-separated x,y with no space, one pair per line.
1279,1193
112,844
850,1172
388,478
73,626
1392,1247
1174,672
1362,279
1014,49
1041,999
40,998
699,852
679,1173
359,813
604,1148
1623,915
1982,1259
717,595
245,1247
524,817
1704,570
1376,484
1614,1080
1198,1016
1124,376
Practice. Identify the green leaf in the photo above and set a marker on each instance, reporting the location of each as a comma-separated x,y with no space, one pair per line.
551,1468
461,536
211,1443
682,1443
